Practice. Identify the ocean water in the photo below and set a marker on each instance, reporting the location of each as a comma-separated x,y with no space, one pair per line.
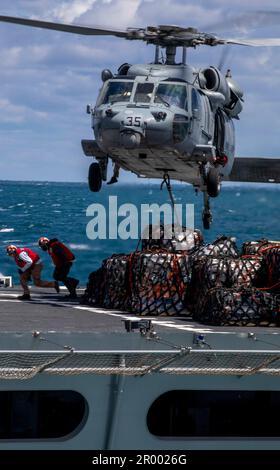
29,210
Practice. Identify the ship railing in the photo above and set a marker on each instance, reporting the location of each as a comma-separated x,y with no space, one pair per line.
25,364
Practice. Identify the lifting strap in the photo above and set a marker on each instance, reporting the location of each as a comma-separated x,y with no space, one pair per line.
166,181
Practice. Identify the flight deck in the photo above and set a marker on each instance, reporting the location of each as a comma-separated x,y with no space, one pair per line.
52,314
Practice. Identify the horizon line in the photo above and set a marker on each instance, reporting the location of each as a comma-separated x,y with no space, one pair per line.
143,181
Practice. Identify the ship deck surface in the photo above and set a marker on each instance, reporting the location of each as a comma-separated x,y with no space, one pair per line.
48,311
85,339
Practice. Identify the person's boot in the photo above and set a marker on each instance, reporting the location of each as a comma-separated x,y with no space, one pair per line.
24,297
71,286
75,282
73,293
56,286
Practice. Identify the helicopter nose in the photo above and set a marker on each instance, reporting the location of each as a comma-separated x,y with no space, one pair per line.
130,139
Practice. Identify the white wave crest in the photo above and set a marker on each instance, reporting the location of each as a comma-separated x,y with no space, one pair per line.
81,246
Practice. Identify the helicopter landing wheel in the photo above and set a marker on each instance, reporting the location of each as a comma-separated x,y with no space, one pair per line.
213,182
207,219
94,177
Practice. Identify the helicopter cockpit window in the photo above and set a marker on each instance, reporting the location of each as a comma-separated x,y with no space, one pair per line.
171,94
196,104
143,92
117,91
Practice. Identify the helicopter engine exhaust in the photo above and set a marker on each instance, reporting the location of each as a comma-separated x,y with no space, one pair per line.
211,79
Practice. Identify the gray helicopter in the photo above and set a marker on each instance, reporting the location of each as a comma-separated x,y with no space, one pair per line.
166,119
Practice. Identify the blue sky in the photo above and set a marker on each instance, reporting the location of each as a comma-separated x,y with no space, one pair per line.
47,78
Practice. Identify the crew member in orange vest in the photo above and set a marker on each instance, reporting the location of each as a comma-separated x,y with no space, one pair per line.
62,259
29,265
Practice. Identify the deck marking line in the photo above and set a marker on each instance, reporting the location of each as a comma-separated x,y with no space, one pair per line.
166,323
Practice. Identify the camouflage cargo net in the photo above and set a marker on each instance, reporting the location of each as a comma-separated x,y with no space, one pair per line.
239,306
206,274
107,287
116,282
222,247
225,272
246,271
210,269
94,292
271,256
151,282
255,247
159,281
171,238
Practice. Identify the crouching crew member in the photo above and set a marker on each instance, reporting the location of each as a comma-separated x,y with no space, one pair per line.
62,259
30,266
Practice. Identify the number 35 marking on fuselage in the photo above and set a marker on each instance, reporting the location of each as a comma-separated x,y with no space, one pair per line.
133,121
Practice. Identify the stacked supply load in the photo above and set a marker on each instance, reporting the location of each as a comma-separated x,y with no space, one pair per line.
256,247
271,257
153,281
180,274
95,287
161,272
239,306
115,279
159,281
170,237
248,292
107,287
147,283
209,269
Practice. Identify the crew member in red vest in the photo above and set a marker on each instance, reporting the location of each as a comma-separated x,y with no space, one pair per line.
29,266
62,259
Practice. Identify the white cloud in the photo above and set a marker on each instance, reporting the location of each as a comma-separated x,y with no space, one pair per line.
70,11
15,56
177,12
125,13
115,13
48,77
252,5
66,55
11,113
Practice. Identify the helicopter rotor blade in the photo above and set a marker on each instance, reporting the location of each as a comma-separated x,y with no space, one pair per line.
164,35
68,28
257,42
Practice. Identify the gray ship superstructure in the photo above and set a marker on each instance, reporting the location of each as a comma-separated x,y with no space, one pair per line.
76,377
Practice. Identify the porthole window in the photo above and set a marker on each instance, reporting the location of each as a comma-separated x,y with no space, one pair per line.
47,414
215,413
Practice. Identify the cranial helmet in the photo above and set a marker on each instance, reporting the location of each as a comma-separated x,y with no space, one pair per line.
11,250
43,241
